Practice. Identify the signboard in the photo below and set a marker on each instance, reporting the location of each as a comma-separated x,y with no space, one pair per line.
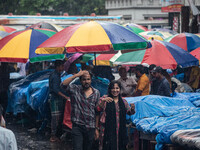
172,5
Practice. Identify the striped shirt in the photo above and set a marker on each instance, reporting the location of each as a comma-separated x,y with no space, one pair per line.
83,108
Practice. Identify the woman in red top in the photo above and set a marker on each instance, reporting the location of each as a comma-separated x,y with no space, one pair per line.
113,135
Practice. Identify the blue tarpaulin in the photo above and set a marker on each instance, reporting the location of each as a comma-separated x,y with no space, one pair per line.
33,91
163,116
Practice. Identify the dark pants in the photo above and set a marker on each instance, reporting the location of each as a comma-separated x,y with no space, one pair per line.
82,137
4,101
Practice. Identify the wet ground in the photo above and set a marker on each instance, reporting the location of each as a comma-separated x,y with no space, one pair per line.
28,138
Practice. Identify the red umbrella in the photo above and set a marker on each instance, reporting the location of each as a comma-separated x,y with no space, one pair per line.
6,29
196,53
168,56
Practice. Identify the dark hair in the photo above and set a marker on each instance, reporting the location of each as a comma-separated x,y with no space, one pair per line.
152,66
58,63
111,86
140,68
121,68
90,73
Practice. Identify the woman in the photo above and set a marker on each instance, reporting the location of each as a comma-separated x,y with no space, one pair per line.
113,134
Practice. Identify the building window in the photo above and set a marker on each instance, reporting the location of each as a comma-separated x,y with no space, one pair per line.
127,17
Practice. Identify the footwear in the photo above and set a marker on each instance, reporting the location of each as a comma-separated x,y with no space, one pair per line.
54,139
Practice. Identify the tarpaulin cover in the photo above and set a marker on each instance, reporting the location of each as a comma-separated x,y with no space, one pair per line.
192,97
163,116
190,137
32,91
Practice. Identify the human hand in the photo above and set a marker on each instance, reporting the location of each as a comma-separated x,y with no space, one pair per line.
107,99
96,136
133,106
82,72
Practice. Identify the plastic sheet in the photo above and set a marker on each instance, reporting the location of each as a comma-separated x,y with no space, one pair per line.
190,137
163,116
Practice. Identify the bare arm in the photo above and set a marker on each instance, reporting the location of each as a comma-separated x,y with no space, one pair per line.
70,79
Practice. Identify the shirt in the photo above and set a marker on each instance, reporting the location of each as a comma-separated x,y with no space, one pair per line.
163,88
54,83
83,109
127,89
143,85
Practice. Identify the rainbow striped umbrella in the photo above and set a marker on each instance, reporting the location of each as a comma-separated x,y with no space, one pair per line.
6,29
164,54
93,36
21,45
196,53
3,34
164,35
186,41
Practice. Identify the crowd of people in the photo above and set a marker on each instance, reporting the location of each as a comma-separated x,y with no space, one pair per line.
103,118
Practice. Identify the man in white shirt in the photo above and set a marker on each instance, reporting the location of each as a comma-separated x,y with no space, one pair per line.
128,84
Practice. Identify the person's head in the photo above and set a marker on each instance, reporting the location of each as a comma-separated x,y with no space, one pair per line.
114,88
86,80
59,65
139,71
157,72
151,67
122,72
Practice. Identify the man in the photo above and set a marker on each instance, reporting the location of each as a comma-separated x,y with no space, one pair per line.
84,99
143,82
57,101
128,84
163,86
194,78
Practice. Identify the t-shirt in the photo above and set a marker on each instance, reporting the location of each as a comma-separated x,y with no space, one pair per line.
127,88
163,88
143,85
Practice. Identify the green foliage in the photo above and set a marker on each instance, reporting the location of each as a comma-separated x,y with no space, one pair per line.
53,7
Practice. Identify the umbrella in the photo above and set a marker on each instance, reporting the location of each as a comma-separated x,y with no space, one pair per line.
164,30
106,59
163,54
164,35
71,60
20,46
168,56
132,58
3,34
93,36
46,25
134,29
186,41
6,28
132,25
196,53
155,37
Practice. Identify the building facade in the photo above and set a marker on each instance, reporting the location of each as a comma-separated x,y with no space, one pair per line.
144,12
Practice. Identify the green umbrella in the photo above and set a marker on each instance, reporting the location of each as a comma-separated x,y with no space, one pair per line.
132,58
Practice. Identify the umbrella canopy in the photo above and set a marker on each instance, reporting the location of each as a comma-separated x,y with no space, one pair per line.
6,29
20,46
133,25
164,30
163,54
134,29
164,35
186,41
46,25
93,36
155,37
196,53
132,58
106,59
168,56
3,34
